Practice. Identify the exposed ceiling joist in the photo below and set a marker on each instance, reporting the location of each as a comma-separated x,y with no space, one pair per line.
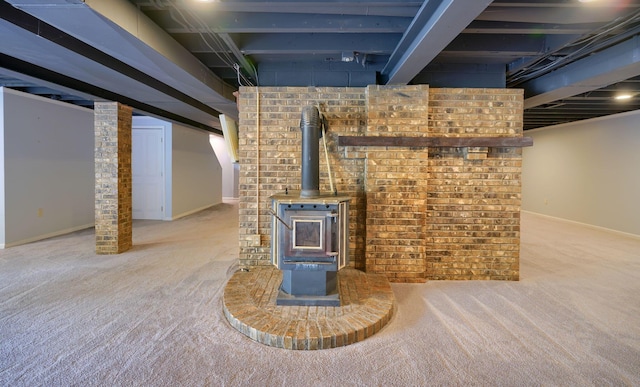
405,8
603,68
257,23
119,47
252,44
436,24
520,28
205,51
558,12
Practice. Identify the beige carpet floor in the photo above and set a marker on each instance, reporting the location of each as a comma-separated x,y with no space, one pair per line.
153,317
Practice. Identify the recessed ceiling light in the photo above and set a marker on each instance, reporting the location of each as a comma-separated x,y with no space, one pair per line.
621,97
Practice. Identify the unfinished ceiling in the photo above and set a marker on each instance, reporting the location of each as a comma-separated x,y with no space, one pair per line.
182,59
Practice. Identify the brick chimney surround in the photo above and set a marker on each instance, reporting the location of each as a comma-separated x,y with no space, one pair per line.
434,175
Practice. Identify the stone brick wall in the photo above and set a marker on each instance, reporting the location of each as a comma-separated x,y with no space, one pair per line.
112,124
396,184
270,154
416,213
474,194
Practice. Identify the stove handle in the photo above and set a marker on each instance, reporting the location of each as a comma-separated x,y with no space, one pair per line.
280,219
334,218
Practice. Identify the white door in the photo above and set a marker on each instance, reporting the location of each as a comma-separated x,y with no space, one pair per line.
147,164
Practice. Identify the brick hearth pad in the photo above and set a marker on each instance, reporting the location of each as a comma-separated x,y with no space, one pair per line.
367,304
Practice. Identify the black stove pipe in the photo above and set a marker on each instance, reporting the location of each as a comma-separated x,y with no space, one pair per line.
311,127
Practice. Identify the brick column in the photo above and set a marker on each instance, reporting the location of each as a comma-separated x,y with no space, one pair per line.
113,210
396,184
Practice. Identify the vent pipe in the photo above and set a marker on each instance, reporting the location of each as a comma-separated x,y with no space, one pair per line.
311,127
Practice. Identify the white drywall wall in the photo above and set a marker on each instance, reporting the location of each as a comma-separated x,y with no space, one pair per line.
587,172
230,170
2,220
196,172
48,158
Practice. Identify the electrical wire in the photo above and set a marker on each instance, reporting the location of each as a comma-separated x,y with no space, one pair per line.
586,44
218,51
209,35
187,25
213,34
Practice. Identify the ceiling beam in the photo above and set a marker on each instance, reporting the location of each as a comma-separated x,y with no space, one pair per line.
317,43
435,25
568,12
107,38
601,69
405,8
55,78
520,28
253,22
68,44
20,80
560,4
522,44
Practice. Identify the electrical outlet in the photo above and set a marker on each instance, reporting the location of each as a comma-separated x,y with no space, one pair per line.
40,211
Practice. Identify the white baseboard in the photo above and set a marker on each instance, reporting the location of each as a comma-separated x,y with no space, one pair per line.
46,236
192,211
584,224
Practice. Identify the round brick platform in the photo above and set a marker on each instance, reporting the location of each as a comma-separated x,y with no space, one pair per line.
367,304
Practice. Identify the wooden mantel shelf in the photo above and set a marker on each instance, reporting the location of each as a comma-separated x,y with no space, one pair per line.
436,142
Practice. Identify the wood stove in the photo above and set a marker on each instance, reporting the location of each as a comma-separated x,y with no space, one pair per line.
309,245
309,230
